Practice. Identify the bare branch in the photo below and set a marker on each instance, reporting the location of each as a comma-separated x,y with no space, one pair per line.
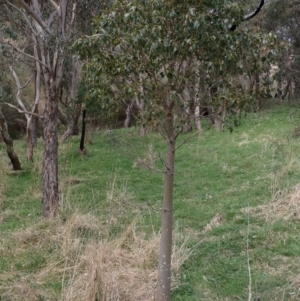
63,15
19,88
23,53
23,112
250,15
56,7
253,14
186,140
27,82
22,13
38,76
35,16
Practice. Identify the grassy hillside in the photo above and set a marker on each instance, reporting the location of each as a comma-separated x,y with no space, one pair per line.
236,216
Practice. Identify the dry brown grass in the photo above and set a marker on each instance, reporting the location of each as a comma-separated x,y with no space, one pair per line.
285,207
89,264
24,288
214,222
124,269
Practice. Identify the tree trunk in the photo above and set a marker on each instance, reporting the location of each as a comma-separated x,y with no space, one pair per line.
128,114
75,109
286,90
81,146
257,92
197,116
164,265
29,140
35,129
73,128
197,104
50,159
62,118
9,143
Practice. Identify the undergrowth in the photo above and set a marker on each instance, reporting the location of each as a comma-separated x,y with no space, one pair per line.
236,206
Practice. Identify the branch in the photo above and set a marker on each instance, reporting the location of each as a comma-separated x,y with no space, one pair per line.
56,7
22,13
19,88
34,16
27,82
185,140
251,15
24,53
37,77
23,112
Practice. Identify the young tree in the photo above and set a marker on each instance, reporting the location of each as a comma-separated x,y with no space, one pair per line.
166,45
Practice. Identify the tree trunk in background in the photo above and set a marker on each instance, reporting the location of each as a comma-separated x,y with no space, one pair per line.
128,114
140,102
75,108
286,89
197,115
81,146
62,118
165,254
257,91
142,108
73,128
29,140
9,143
35,128
197,105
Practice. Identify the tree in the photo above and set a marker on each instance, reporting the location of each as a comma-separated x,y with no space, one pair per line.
9,143
50,27
12,60
45,24
165,45
282,18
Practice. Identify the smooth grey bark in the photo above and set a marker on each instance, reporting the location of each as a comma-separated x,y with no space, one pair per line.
9,143
164,265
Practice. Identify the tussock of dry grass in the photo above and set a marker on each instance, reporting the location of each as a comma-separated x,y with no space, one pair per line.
214,222
285,207
89,266
124,269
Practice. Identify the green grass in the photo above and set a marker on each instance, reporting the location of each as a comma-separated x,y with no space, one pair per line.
242,178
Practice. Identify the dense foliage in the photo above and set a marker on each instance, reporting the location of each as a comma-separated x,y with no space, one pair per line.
158,49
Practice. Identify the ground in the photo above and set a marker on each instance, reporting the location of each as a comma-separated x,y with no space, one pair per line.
236,216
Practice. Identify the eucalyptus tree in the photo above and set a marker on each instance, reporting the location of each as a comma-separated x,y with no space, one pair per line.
71,86
282,18
155,49
46,25
49,27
